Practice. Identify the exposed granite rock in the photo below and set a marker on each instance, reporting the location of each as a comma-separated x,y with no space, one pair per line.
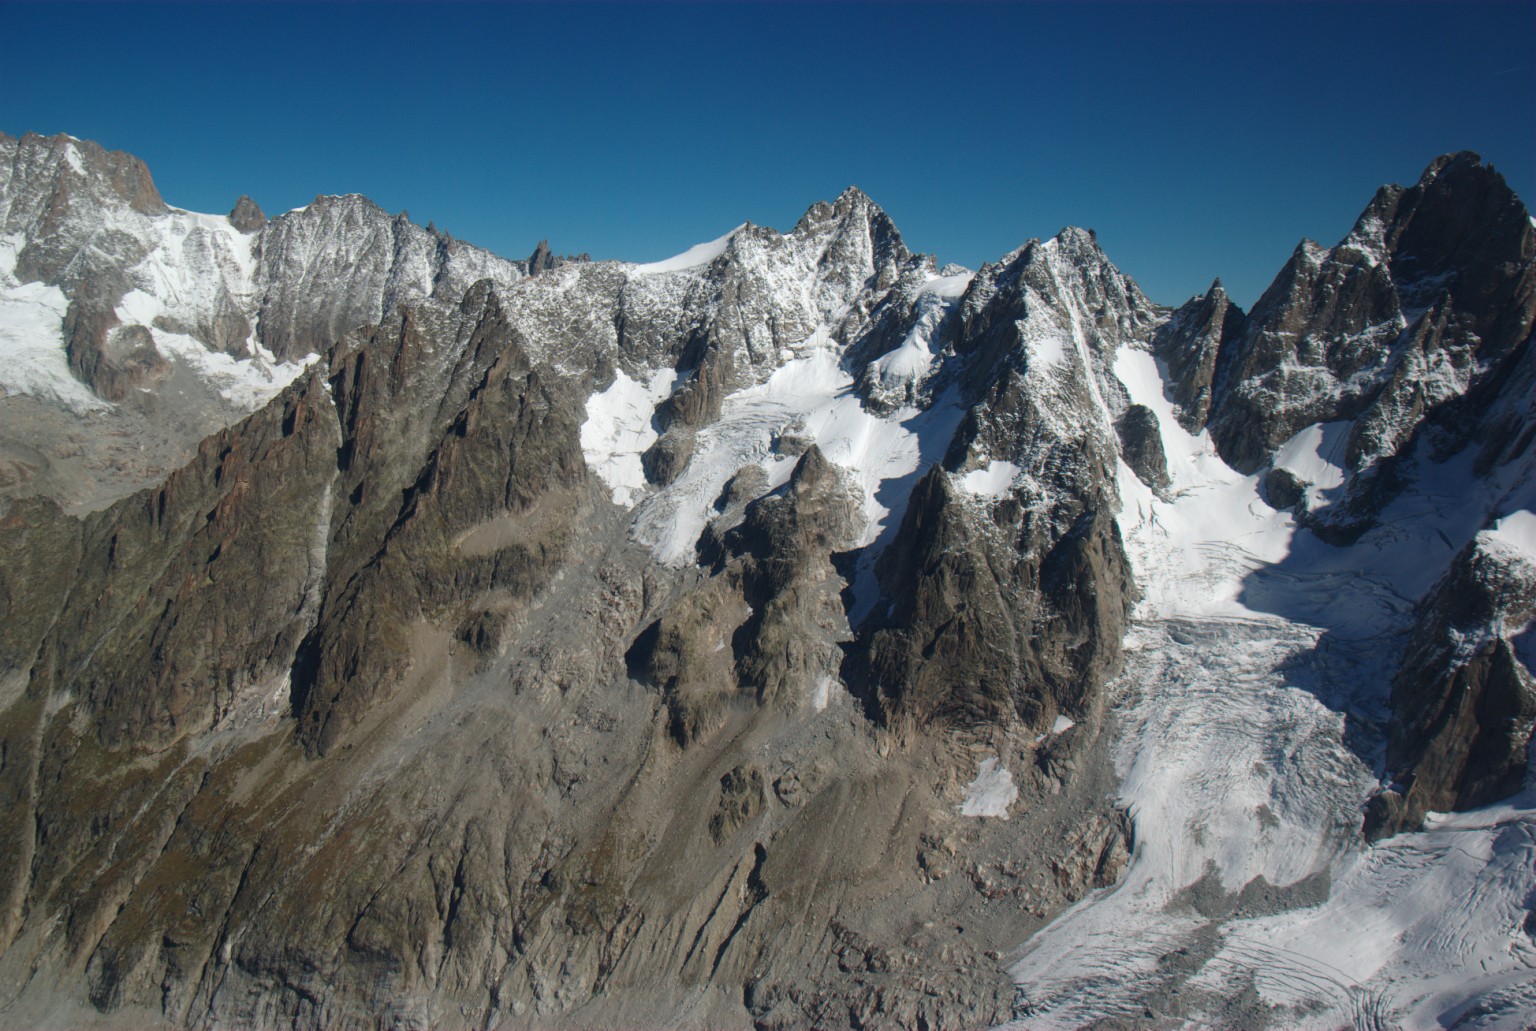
1432,281
481,514
55,188
764,629
108,357
665,460
157,646
1283,488
541,260
1011,609
946,655
790,642
741,798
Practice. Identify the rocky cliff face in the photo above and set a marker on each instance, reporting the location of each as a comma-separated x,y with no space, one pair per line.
717,641
1432,286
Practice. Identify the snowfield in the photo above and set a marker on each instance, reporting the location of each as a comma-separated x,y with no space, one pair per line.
811,396
693,257
1256,678
32,356
619,429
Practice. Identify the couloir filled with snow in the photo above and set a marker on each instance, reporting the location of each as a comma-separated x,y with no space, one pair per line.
1258,665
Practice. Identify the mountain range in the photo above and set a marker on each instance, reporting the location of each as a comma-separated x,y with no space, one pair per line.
791,633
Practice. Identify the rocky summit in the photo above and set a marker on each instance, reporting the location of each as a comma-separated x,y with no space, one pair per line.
792,633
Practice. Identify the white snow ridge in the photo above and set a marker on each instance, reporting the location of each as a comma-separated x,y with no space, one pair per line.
698,254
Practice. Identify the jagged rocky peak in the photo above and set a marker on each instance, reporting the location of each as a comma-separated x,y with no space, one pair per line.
1462,232
1057,304
856,236
55,170
541,260
247,215
1431,281
545,260
341,263
1188,345
994,538
729,313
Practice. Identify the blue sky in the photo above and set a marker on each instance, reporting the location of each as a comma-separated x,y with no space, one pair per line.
1197,139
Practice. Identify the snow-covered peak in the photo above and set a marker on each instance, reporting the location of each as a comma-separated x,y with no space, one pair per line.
62,172
343,262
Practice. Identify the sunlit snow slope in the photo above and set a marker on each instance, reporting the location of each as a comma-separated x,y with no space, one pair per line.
1259,663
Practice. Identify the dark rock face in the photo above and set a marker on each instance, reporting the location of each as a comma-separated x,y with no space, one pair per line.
1432,281
158,649
1465,703
109,358
1282,488
774,597
1141,445
542,259
247,215
949,648
416,550
1188,345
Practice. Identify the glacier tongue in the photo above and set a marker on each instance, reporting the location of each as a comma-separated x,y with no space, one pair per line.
1260,659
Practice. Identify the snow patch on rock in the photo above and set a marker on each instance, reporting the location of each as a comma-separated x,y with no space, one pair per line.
246,383
810,397
991,793
990,481
948,286
618,429
1515,532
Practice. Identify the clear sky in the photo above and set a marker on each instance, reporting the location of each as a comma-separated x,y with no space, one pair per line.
1197,139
